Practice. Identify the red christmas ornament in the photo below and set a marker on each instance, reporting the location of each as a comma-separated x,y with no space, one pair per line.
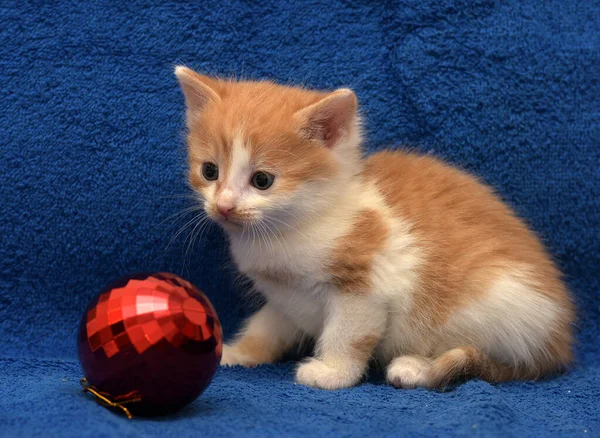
149,344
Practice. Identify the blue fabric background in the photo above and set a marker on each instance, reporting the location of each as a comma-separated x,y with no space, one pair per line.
92,161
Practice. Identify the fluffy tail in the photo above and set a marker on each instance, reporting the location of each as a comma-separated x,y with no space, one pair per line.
466,362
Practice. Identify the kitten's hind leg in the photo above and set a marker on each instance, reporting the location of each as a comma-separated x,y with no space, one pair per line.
409,372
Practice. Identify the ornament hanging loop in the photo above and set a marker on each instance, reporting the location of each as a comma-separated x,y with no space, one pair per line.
105,401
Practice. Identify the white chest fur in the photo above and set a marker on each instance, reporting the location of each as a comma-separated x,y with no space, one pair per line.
291,271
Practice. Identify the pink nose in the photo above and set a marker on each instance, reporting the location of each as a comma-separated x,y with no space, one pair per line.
225,209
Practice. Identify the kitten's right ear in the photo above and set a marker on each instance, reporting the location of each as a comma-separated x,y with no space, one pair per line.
197,89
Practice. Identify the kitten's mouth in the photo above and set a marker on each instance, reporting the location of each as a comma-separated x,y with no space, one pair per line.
231,223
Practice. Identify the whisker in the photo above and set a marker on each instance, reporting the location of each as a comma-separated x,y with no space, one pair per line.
207,226
287,225
269,240
262,236
190,235
200,226
275,235
175,216
181,230
180,196
253,238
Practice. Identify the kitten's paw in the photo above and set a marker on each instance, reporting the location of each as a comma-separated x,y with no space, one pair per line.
317,374
231,357
409,372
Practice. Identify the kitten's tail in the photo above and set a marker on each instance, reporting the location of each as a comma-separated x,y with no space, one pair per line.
466,362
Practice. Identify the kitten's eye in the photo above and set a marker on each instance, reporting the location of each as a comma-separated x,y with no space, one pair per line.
262,180
210,171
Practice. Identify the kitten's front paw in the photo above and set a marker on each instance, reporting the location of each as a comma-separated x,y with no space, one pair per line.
231,357
317,374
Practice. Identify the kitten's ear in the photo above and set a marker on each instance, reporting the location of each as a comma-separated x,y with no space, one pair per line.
197,89
329,119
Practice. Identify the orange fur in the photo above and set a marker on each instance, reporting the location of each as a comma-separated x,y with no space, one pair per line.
363,347
253,348
351,261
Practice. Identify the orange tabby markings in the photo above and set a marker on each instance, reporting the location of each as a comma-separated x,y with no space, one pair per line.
352,259
248,108
470,362
464,228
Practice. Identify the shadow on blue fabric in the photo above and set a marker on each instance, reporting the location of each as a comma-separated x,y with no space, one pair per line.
92,163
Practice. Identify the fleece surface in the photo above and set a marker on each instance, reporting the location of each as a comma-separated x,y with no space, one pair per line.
92,165
264,402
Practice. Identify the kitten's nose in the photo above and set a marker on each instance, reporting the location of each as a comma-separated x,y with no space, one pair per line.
224,209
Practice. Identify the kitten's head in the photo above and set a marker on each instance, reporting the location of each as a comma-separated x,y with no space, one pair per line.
261,152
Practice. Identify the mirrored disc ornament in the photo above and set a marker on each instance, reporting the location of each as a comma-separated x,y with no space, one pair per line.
149,344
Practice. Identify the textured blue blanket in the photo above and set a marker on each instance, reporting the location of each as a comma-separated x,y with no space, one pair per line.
92,160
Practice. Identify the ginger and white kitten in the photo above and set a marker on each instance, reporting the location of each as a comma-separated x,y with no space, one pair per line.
398,257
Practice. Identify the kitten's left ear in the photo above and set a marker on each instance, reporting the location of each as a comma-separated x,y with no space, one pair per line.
329,119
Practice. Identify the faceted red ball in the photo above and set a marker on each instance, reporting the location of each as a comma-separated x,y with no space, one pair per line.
150,336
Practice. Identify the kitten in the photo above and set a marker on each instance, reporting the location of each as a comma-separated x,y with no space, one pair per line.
398,257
